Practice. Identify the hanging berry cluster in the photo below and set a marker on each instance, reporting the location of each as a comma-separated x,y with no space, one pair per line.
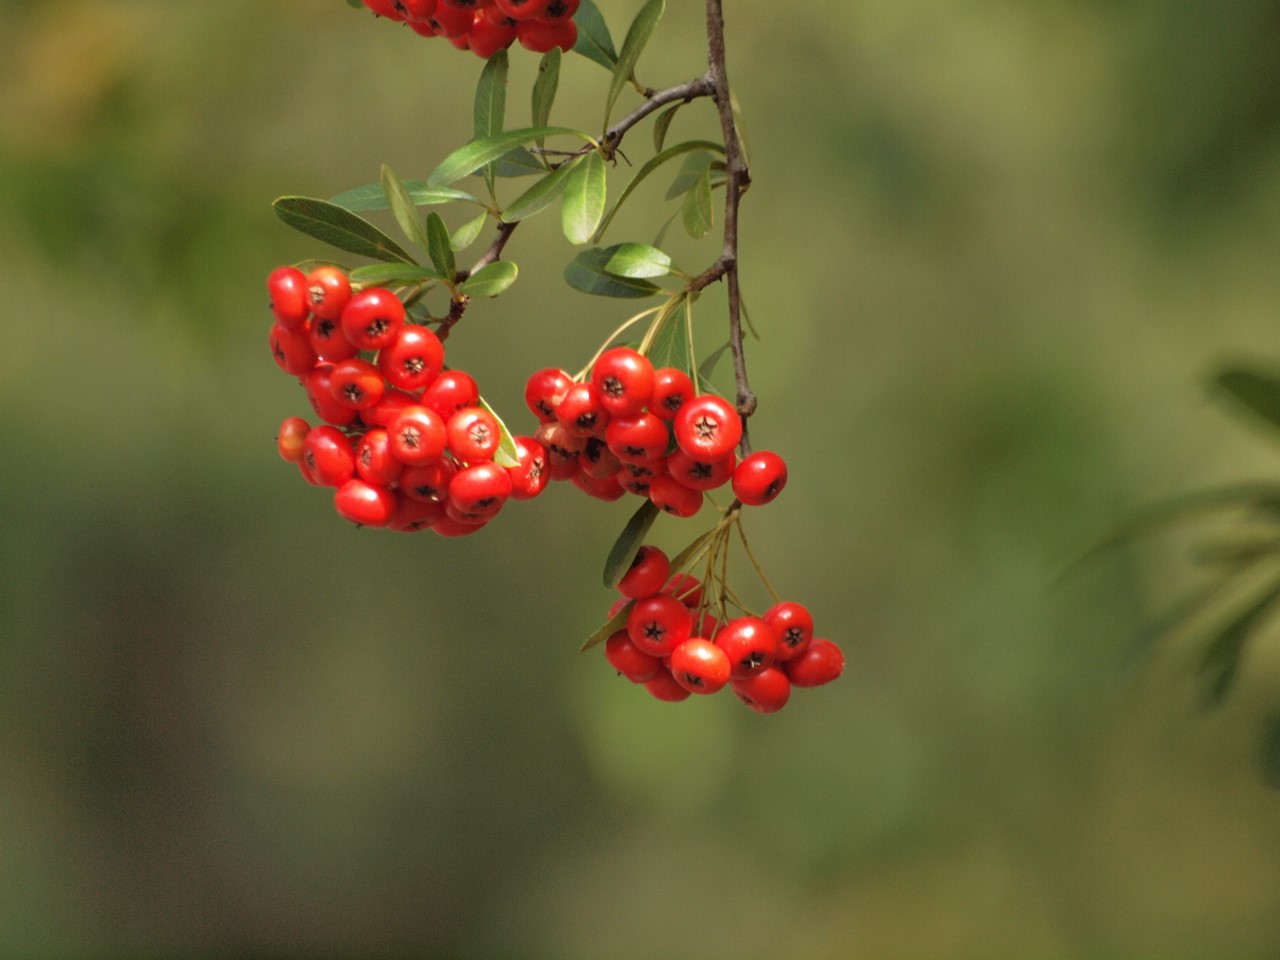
407,443
486,26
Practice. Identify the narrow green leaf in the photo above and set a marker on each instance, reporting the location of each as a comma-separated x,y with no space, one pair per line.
506,455
611,626
708,364
693,166
682,559
391,274
1221,660
491,97
638,260
477,153
633,45
594,41
653,164
628,543
696,214
372,196
355,4
544,88
338,227
402,207
661,125
670,347
586,272
490,280
438,246
518,163
1257,392
584,199
466,234
541,194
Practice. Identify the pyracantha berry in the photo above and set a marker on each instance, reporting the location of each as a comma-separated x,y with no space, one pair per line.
624,380
821,662
759,478
707,427
765,692
364,503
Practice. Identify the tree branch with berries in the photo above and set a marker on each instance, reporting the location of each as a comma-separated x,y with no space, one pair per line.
408,443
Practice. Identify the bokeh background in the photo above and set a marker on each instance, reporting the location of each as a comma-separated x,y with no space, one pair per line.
992,249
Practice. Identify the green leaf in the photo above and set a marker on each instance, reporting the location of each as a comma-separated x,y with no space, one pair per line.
372,196
338,227
355,4
541,195
491,97
653,164
544,88
661,125
628,543
584,199
682,559
708,364
594,41
391,274
490,280
519,163
402,207
694,165
670,347
1257,392
586,272
439,247
638,260
696,213
638,35
506,455
466,234
611,626
477,153
1221,660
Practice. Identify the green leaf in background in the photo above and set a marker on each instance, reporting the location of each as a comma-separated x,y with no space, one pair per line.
491,104
439,247
690,170
696,213
338,227
628,543
490,280
670,347
653,164
594,41
470,158
1221,660
466,234
355,4
638,260
708,366
1257,392
372,196
506,455
584,199
661,125
633,45
519,163
610,627
542,194
586,272
1270,752
402,207
392,274
544,88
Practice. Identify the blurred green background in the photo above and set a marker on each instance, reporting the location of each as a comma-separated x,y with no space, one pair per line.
992,249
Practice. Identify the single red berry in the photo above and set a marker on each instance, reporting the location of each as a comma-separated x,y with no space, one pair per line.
423,28
374,461
821,662
522,9
329,456
307,475
637,438
602,488
624,380
529,478
287,288
686,588
356,383
414,515
417,435
793,625
700,666
418,11
541,36
635,485
759,478
328,340
388,408
646,469
291,349
597,459
361,502
563,449
765,692
580,411
450,392
413,360
328,291
291,438
749,643
647,573
317,385
480,489
559,10
697,474
488,36
428,481
544,390
384,8
657,625
451,22
672,388
633,663
473,435
708,427
448,526
672,496
372,318
664,687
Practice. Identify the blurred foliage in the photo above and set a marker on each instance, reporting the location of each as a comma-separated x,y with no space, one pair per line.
991,248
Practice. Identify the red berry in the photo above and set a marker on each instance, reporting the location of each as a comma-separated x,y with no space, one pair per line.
414,515
530,477
697,474
765,692
328,340
356,383
287,288
646,575
580,411
329,456
624,380
418,11
450,392
291,438
672,388
328,291
417,435
637,438
672,496
361,502
664,687
522,9
388,408
700,666
473,435
602,488
686,588
749,643
820,663
488,36
544,390
598,460
317,385
559,10
413,360
451,21
629,660
708,427
541,36
448,526
374,461
657,625
372,318
793,625
428,481
291,349
480,490
759,478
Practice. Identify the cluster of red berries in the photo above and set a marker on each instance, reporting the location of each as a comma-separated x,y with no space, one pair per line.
405,443
675,648
486,26
628,428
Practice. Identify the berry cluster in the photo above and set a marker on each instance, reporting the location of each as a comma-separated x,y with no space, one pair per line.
405,443
674,646
486,26
628,428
